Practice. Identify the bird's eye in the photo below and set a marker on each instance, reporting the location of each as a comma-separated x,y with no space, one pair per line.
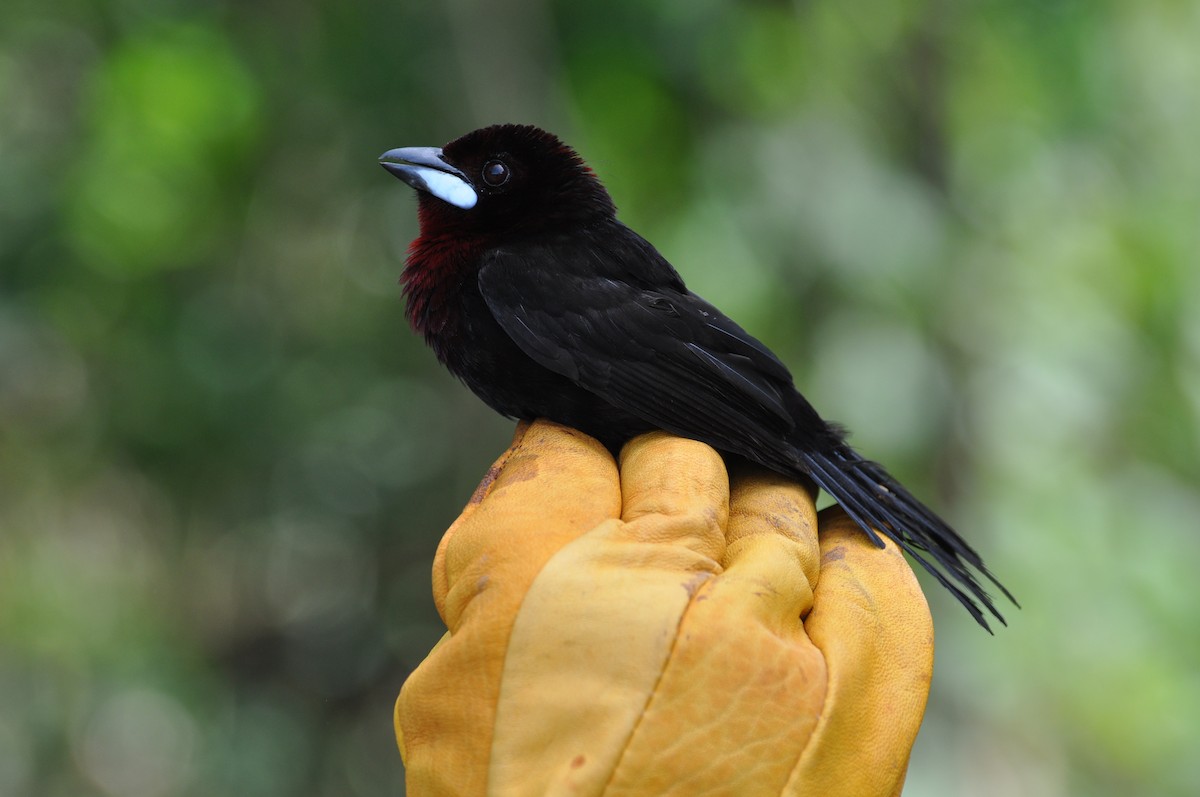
495,173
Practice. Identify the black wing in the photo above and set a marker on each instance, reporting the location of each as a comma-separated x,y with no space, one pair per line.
618,321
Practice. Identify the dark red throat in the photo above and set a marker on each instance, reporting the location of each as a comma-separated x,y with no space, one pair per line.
437,268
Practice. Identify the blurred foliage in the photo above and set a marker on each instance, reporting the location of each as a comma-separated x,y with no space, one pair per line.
971,229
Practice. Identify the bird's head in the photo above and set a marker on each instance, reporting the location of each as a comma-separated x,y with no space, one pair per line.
504,179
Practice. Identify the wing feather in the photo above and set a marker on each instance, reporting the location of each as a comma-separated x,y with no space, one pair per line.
656,351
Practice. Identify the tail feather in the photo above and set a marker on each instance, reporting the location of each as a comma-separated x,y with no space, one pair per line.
881,505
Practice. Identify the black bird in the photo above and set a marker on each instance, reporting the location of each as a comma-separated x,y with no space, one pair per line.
530,291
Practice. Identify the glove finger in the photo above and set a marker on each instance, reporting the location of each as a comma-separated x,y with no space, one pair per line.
873,627
550,487
614,598
675,492
772,542
484,487
740,648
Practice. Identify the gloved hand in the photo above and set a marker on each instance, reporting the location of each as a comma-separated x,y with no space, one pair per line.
662,629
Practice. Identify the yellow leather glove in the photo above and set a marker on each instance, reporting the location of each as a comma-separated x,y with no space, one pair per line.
658,630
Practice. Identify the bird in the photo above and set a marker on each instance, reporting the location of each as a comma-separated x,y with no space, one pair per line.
530,291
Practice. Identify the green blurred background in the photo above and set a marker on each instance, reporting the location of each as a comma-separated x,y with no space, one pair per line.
971,229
